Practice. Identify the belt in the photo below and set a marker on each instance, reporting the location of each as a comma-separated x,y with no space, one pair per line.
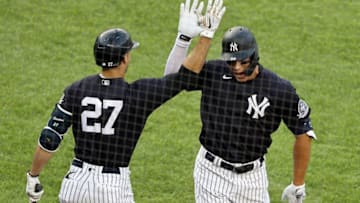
105,169
230,167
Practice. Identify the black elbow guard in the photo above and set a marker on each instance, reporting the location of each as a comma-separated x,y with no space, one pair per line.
52,134
59,121
49,139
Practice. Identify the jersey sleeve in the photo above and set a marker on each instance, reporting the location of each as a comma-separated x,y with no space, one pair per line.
192,81
66,101
150,93
296,113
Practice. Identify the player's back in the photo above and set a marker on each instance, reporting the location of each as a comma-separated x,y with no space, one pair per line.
108,115
106,119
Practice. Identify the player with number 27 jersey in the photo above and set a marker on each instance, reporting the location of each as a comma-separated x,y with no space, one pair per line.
110,105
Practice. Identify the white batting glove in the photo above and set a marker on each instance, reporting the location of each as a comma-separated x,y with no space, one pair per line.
211,21
33,188
293,193
189,20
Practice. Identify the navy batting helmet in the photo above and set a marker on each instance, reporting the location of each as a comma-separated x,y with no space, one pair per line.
111,45
238,44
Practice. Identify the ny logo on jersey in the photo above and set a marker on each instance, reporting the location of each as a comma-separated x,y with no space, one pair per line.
258,109
233,47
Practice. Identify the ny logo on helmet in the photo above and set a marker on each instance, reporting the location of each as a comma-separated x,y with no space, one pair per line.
259,109
233,47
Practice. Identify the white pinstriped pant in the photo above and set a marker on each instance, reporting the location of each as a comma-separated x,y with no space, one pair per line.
89,185
214,184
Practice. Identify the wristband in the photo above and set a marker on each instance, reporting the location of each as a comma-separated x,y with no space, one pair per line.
33,176
183,40
184,37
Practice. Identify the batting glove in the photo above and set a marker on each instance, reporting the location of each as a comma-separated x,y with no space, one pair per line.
293,193
211,21
33,188
189,20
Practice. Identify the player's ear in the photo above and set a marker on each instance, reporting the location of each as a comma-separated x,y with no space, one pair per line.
126,58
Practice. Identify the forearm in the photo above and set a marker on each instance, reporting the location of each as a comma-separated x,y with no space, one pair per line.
196,59
177,55
301,156
41,157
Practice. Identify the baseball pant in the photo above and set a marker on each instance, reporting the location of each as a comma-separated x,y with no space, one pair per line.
88,183
216,184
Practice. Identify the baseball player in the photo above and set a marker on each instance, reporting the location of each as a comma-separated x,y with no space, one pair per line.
242,104
107,116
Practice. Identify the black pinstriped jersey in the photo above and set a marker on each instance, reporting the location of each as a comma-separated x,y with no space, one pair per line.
108,115
239,118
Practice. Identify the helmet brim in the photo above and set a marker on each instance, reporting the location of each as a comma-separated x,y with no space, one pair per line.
135,45
237,56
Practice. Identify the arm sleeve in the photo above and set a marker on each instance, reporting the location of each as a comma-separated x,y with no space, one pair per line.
177,55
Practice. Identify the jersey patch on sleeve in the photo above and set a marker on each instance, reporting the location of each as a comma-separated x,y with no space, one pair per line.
303,109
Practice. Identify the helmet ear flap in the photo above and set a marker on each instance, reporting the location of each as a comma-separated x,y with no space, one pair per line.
254,61
255,57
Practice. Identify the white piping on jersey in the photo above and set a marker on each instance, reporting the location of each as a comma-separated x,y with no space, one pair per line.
63,110
311,134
